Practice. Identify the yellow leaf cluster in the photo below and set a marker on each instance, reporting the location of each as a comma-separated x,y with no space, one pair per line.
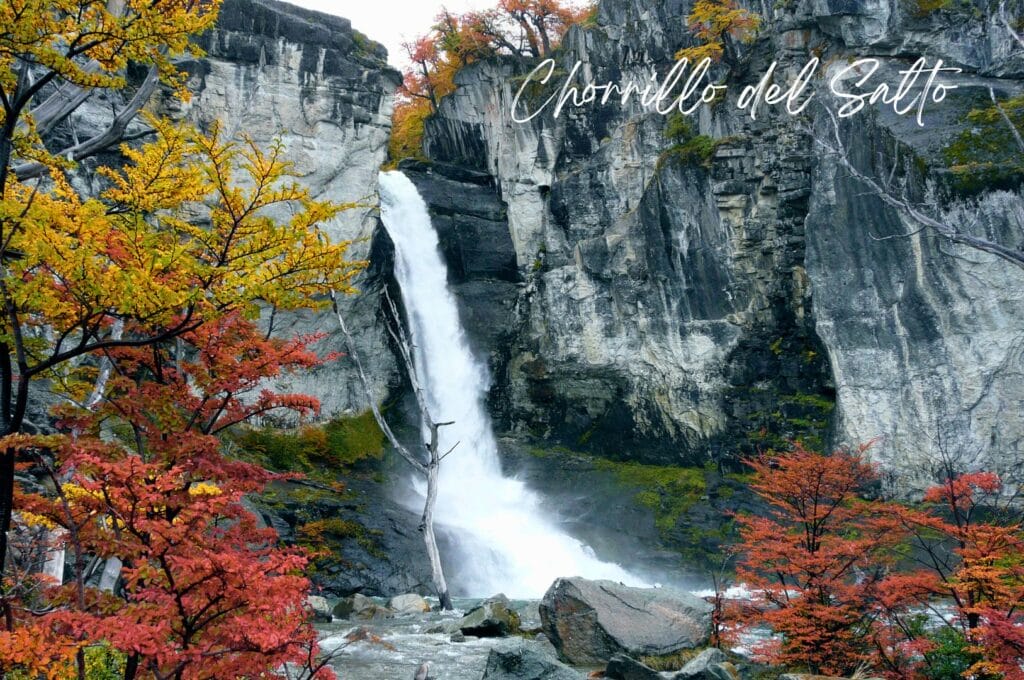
89,42
194,226
714,21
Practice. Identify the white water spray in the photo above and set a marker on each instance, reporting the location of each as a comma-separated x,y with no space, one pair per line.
505,544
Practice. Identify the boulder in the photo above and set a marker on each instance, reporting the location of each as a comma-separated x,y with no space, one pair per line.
589,622
722,671
493,618
522,661
320,607
704,666
360,607
622,667
408,604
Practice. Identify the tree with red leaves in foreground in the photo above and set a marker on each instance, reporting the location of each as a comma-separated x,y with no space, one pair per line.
969,542
204,591
817,560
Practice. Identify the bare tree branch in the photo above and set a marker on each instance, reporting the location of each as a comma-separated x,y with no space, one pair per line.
901,204
381,422
1004,16
113,134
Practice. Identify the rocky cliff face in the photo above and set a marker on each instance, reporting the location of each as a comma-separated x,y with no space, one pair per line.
276,71
649,303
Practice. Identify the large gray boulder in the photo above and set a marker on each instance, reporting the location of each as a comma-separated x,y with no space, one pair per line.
360,607
493,618
319,607
588,622
522,661
410,603
708,665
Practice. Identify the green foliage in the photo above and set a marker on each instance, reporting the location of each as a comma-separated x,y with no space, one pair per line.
951,657
688,147
678,128
103,662
314,450
986,154
668,491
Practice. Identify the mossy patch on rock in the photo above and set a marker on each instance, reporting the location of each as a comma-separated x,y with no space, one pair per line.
667,491
316,450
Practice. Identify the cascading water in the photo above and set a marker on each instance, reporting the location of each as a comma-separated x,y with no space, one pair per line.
504,543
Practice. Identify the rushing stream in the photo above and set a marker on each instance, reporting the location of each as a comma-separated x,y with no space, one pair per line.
503,541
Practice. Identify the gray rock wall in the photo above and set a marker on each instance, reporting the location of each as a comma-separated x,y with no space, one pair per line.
672,310
276,71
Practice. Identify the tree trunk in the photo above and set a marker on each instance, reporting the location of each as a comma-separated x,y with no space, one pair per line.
6,503
432,468
427,525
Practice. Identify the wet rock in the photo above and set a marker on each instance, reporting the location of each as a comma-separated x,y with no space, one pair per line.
457,636
360,607
589,622
320,607
704,666
522,661
493,618
408,604
722,671
622,667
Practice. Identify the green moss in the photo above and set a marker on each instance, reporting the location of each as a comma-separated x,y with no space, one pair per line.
667,491
923,8
670,662
317,534
350,440
985,155
776,347
314,450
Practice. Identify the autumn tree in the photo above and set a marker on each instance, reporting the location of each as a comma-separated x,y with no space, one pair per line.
205,592
522,28
178,240
76,268
969,548
717,25
816,562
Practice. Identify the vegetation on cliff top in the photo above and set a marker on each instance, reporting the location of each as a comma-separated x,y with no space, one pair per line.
525,28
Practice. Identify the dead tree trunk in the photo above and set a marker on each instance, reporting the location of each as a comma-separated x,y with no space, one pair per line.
429,469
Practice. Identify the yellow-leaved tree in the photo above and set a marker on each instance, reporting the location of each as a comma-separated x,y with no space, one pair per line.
184,234
717,25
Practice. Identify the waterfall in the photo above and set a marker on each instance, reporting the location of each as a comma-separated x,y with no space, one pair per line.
503,542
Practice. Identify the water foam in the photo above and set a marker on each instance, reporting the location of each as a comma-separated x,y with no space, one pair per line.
504,541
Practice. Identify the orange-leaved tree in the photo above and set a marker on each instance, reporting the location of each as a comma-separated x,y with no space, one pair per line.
141,478
817,561
525,28
969,544
717,25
